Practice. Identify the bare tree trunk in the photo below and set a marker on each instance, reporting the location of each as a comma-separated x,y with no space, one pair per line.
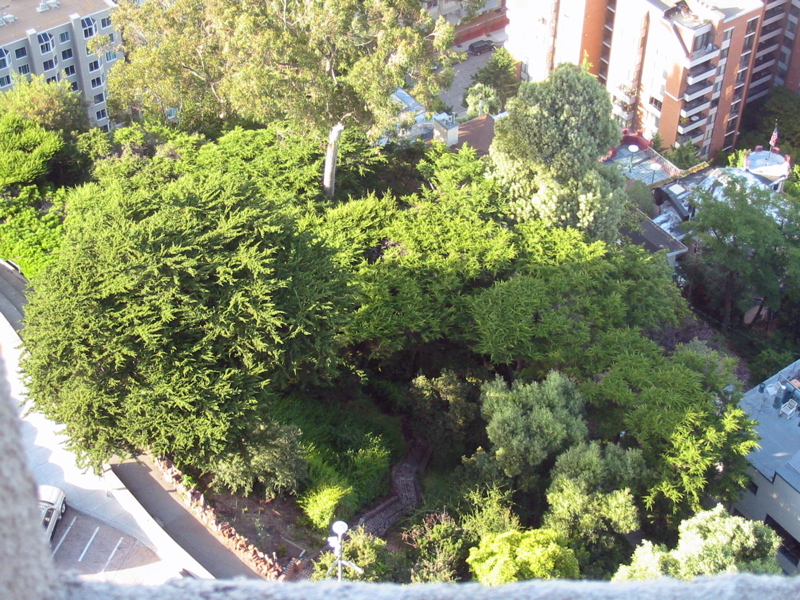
329,175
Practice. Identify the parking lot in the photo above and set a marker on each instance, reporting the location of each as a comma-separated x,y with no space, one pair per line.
94,550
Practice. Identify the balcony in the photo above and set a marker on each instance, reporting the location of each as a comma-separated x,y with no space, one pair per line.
700,56
766,49
772,18
761,65
700,73
624,111
692,123
695,106
697,90
770,32
756,82
775,3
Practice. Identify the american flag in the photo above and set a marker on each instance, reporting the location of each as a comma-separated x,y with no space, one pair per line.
774,139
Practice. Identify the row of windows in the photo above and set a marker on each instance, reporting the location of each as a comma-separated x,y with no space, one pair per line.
65,55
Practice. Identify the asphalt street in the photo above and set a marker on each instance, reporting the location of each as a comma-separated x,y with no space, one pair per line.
161,501
12,295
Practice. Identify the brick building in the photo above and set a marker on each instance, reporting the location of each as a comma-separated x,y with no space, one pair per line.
683,68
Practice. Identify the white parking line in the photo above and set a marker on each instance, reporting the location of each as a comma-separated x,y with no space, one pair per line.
89,543
71,523
113,552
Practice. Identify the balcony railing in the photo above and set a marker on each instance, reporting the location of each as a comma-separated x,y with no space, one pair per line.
692,123
698,89
700,72
703,54
695,106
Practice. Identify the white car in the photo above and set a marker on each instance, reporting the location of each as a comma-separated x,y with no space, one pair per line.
52,503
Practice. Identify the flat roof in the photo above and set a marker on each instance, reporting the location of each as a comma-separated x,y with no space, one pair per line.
779,451
27,17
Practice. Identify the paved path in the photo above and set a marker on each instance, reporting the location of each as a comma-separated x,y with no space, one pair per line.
12,295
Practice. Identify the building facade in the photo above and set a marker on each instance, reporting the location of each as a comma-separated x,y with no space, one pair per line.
50,38
683,68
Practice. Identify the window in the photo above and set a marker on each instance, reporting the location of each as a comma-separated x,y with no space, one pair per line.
718,86
66,54
751,25
70,70
101,114
752,488
111,56
656,102
97,82
728,34
105,22
24,69
45,42
89,27
3,59
64,37
111,38
5,80
52,79
724,53
21,52
74,86
104,128
98,98
790,547
49,65
172,113
94,65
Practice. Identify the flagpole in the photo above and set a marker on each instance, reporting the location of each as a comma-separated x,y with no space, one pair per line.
772,141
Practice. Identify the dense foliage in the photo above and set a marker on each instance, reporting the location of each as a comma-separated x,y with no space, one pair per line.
201,297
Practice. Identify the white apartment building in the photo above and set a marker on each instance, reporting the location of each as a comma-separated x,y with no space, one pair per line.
49,37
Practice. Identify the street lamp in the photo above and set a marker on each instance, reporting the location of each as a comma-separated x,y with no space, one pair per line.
654,167
335,542
633,149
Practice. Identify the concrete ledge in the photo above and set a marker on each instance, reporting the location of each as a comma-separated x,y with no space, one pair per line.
725,587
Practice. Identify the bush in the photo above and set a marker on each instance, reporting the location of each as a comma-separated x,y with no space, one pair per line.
320,504
362,549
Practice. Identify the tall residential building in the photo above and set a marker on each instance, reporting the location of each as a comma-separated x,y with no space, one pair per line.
49,37
683,68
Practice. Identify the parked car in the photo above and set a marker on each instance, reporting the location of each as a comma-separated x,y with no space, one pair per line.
52,503
480,47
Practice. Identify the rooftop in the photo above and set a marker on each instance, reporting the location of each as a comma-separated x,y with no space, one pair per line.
779,451
478,133
642,165
769,165
26,16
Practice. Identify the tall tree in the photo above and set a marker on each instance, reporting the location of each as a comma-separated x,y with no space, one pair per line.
173,311
740,232
54,106
710,543
591,503
500,74
520,555
546,152
528,422
322,64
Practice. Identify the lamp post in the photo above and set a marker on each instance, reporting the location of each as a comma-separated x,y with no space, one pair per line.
339,528
654,167
335,542
633,149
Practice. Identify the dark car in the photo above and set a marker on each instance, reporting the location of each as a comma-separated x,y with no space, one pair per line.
480,47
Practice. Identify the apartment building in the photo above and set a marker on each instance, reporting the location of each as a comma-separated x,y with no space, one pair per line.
49,37
683,68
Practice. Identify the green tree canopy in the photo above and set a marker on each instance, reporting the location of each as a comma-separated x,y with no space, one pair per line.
499,74
521,555
528,422
711,542
173,311
54,106
546,154
362,549
741,230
